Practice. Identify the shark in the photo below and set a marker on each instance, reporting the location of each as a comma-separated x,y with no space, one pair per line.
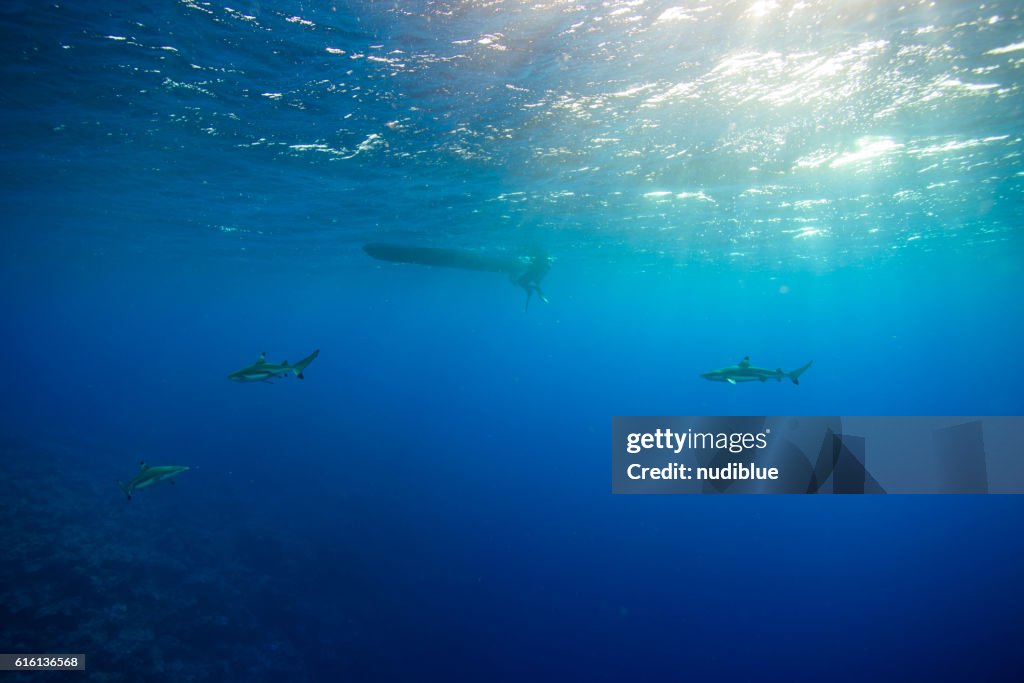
262,371
745,372
148,476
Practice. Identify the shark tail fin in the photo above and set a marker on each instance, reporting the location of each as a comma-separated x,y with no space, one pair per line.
124,488
304,363
795,375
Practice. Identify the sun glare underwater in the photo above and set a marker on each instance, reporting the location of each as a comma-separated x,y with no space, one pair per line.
317,315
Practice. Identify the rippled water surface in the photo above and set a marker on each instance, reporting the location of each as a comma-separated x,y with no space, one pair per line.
750,131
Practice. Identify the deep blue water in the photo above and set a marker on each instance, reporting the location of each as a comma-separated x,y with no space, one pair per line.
186,185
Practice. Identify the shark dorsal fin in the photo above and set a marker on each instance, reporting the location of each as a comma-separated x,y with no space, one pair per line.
262,359
745,363
143,466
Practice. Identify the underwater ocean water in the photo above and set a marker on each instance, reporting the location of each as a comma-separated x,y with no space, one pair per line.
189,184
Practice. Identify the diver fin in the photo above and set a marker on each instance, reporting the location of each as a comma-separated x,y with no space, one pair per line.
530,289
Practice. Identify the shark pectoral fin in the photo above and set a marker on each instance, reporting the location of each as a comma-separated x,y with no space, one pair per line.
125,489
730,380
300,375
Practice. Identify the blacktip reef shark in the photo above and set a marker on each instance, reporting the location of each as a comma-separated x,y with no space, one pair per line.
148,476
745,372
525,270
262,371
